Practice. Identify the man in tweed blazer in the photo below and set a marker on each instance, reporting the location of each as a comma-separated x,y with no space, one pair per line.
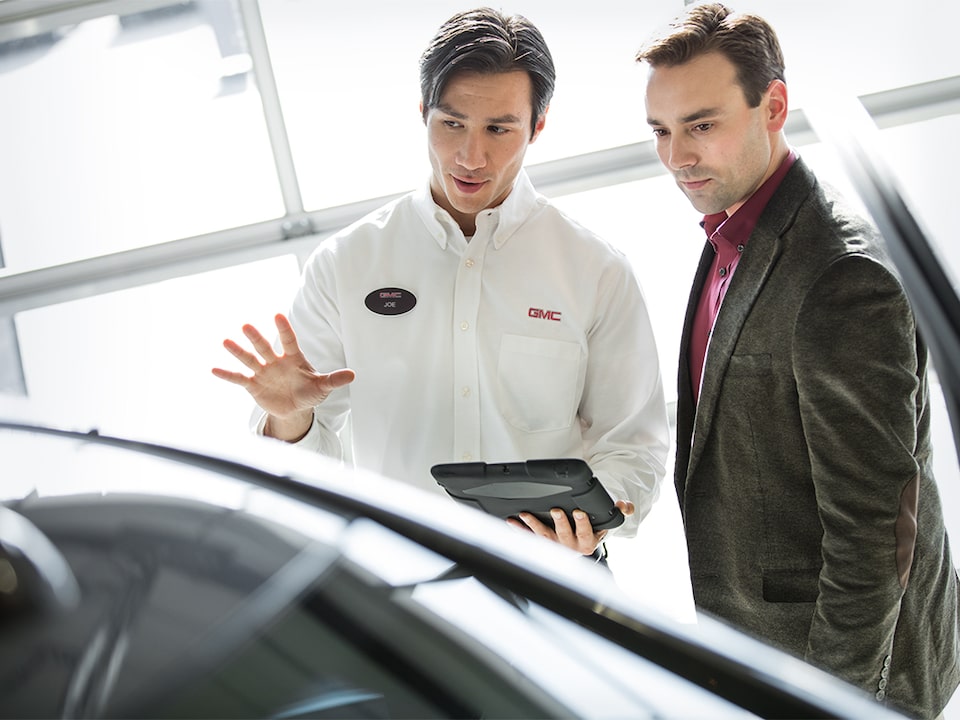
803,464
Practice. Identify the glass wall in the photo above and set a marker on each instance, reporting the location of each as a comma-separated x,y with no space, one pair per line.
125,131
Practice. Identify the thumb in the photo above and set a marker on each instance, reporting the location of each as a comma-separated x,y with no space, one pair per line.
339,378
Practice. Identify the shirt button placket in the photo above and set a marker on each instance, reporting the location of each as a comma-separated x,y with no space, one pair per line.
466,306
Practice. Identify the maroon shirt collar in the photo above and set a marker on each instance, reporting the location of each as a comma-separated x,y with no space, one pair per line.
737,228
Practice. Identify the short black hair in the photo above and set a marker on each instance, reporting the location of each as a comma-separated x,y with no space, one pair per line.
486,41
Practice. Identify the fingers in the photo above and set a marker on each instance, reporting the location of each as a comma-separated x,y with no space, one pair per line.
234,377
260,343
585,535
244,356
532,522
626,507
579,536
288,338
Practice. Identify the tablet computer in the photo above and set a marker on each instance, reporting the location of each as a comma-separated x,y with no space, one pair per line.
534,486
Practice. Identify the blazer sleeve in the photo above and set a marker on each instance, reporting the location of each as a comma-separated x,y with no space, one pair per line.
856,368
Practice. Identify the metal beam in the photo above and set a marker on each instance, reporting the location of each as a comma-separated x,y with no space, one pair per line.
272,110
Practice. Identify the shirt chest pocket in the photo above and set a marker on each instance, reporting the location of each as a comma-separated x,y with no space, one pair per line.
538,382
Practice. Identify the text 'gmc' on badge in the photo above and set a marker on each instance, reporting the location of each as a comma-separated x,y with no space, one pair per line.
390,301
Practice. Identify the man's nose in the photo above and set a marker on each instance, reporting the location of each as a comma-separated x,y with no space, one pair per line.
680,153
472,152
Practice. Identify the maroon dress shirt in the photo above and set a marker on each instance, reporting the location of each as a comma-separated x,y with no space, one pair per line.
728,236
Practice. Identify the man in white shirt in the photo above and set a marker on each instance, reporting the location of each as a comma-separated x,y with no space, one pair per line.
471,319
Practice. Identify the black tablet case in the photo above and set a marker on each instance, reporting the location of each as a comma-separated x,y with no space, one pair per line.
534,486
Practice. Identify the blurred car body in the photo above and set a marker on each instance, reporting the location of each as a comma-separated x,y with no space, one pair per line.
144,580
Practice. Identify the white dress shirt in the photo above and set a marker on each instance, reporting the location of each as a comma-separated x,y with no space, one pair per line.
530,341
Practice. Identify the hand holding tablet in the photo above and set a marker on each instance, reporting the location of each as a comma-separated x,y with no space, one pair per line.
534,486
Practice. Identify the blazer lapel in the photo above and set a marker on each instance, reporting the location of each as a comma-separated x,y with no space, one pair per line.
758,260
685,403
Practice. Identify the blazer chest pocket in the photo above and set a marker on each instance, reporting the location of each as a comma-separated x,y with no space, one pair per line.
750,365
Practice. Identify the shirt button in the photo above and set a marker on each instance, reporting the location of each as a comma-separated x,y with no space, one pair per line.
722,271
740,248
464,325
465,392
469,263
467,456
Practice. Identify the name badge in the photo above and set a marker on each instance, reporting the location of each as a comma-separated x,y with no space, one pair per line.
390,301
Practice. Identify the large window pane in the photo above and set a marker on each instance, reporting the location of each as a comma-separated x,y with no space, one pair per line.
138,362
861,47
117,134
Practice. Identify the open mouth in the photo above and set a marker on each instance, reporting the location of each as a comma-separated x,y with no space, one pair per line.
466,186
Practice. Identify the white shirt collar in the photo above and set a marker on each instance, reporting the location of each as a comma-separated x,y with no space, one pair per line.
501,221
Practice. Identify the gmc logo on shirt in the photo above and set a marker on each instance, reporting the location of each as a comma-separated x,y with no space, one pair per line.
544,314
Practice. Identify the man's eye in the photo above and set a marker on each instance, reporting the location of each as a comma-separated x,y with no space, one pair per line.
497,130
703,127
659,132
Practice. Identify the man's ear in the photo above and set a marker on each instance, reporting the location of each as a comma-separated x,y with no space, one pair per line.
541,121
777,106
422,115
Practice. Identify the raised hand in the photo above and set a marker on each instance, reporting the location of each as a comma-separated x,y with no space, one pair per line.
286,386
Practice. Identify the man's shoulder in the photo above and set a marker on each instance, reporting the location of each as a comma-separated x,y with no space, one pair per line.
814,209
567,228
375,223
400,209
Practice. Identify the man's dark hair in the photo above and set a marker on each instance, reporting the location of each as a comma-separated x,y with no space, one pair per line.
486,41
746,40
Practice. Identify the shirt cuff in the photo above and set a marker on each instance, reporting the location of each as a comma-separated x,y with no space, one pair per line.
313,440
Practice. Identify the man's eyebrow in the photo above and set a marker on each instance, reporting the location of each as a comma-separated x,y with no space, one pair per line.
700,115
692,117
447,110
508,119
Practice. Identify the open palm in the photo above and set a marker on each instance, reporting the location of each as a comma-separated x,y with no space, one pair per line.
283,385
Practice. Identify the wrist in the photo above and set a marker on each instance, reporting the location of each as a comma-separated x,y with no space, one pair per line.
290,429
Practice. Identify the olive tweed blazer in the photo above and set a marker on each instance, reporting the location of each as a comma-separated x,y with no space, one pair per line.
804,476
